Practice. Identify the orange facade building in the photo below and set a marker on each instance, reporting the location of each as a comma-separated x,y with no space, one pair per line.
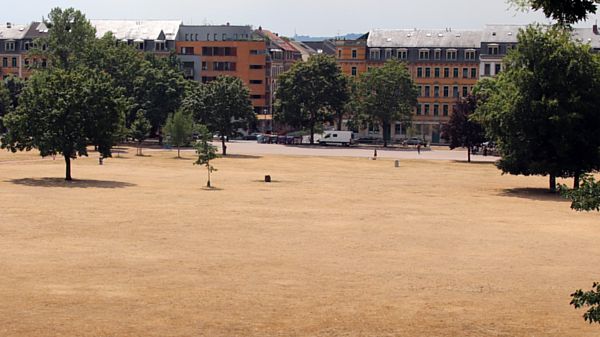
443,64
207,52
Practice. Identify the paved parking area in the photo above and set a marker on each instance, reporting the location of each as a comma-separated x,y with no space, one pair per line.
256,149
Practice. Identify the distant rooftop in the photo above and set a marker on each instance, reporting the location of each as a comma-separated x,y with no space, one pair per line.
427,38
11,31
137,30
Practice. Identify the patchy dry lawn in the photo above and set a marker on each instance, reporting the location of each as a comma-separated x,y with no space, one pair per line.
333,247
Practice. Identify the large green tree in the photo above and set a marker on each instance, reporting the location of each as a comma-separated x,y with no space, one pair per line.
160,89
61,111
386,95
461,130
310,93
565,12
70,37
542,111
223,105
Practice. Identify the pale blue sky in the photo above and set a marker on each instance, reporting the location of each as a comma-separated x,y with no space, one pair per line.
306,17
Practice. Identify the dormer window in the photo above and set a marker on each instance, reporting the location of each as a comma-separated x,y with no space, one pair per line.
437,54
402,54
470,54
451,54
9,46
160,46
27,45
423,54
388,54
374,54
139,45
493,49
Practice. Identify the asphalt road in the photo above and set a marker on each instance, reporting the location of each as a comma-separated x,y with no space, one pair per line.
252,148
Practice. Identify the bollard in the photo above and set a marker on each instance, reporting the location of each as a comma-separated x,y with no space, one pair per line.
267,179
397,163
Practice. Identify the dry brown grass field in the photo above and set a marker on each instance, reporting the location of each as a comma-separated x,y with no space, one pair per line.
333,247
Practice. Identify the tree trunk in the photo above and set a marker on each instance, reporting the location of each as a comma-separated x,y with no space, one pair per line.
469,153
178,152
340,122
552,183
68,168
312,133
208,182
224,146
576,179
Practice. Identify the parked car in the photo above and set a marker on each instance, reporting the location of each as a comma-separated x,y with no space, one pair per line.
252,136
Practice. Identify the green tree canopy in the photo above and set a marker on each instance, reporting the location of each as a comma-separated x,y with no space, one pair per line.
5,103
310,93
140,128
565,12
461,130
386,95
62,111
70,37
223,105
542,111
179,129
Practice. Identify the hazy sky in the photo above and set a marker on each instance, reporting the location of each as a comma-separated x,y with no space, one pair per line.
306,17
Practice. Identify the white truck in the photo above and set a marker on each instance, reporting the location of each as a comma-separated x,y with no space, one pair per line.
343,138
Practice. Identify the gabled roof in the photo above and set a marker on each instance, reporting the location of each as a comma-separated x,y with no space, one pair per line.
421,38
137,30
277,40
15,32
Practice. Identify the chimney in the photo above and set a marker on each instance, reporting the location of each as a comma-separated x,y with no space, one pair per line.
595,29
8,25
260,28
227,23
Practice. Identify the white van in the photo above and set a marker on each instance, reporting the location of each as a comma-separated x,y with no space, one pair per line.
344,138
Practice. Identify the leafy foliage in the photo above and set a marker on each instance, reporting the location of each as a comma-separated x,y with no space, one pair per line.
586,197
565,12
223,105
310,92
62,111
140,128
69,38
179,129
589,299
542,111
461,130
206,151
386,95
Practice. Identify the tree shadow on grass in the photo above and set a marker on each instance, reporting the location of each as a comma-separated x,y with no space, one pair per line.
211,189
539,194
240,156
61,183
474,162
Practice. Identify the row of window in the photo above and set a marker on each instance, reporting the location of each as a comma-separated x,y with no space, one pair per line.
215,37
218,51
427,109
425,91
224,66
437,72
14,63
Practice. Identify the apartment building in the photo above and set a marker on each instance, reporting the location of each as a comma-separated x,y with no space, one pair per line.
12,48
443,63
281,55
207,52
